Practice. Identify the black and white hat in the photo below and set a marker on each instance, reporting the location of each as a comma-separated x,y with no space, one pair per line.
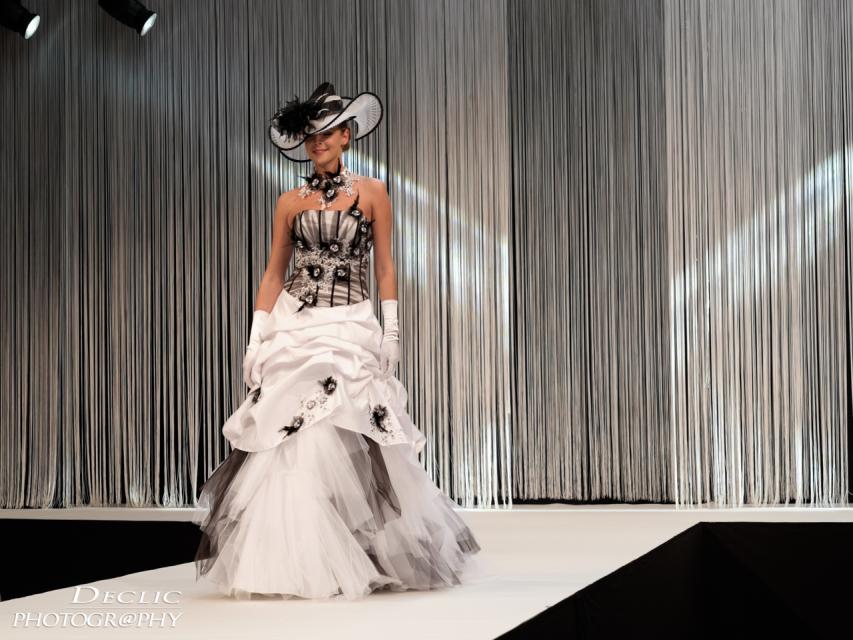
323,110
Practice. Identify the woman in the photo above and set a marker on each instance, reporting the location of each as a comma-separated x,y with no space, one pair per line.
322,493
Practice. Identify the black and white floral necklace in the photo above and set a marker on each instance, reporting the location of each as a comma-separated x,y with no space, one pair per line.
328,184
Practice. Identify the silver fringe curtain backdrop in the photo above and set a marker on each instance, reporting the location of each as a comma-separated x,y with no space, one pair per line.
137,198
622,237
589,229
760,187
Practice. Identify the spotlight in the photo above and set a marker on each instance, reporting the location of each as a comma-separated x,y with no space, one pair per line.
131,13
13,16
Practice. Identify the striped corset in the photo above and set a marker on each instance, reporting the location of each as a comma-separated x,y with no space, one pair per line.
332,251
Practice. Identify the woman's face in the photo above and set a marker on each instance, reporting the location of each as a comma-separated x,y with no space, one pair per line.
327,145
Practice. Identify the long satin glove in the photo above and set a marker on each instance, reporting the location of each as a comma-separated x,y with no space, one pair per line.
259,321
389,351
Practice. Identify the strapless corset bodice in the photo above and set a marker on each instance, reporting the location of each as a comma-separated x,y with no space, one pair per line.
332,255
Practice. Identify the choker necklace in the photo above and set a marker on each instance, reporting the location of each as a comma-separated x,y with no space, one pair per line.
328,184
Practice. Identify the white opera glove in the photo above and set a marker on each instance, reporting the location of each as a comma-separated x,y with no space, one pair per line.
389,351
259,321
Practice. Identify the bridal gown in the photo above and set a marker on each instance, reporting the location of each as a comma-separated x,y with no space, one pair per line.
323,493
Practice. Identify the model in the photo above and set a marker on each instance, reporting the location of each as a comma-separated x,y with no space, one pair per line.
322,493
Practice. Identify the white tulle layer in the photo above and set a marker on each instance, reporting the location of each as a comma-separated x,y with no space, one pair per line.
331,513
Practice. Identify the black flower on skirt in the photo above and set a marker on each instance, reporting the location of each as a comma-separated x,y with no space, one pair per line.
329,385
294,427
310,403
378,417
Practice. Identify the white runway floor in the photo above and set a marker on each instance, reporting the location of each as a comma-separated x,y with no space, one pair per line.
536,556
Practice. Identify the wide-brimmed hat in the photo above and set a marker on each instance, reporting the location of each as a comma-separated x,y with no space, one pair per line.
323,110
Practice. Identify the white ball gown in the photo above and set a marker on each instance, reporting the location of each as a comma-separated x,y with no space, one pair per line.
322,493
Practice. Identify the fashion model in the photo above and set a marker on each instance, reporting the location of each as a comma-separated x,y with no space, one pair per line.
322,493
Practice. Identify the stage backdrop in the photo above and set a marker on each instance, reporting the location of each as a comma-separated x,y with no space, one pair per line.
622,234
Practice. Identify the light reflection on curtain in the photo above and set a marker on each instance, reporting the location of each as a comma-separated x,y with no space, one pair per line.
682,232
760,152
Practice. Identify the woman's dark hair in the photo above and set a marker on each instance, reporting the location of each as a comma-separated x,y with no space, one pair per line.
353,131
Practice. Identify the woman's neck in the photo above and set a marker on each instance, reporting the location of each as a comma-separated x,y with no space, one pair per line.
329,168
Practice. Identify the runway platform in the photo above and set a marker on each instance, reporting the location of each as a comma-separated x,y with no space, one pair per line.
553,571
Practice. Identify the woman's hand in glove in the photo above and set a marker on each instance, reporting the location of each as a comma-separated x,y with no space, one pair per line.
389,355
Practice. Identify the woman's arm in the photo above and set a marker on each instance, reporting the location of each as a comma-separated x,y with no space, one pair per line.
280,252
383,263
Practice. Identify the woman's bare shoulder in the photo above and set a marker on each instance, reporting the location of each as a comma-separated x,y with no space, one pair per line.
374,193
374,184
289,204
291,197
372,188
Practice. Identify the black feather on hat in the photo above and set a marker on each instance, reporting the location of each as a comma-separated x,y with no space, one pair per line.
293,118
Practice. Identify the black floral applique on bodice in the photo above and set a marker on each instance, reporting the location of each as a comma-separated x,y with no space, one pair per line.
332,255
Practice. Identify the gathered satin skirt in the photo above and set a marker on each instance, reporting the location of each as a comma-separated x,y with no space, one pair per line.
322,493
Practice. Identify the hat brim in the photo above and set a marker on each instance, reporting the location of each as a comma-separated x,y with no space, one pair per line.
366,108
